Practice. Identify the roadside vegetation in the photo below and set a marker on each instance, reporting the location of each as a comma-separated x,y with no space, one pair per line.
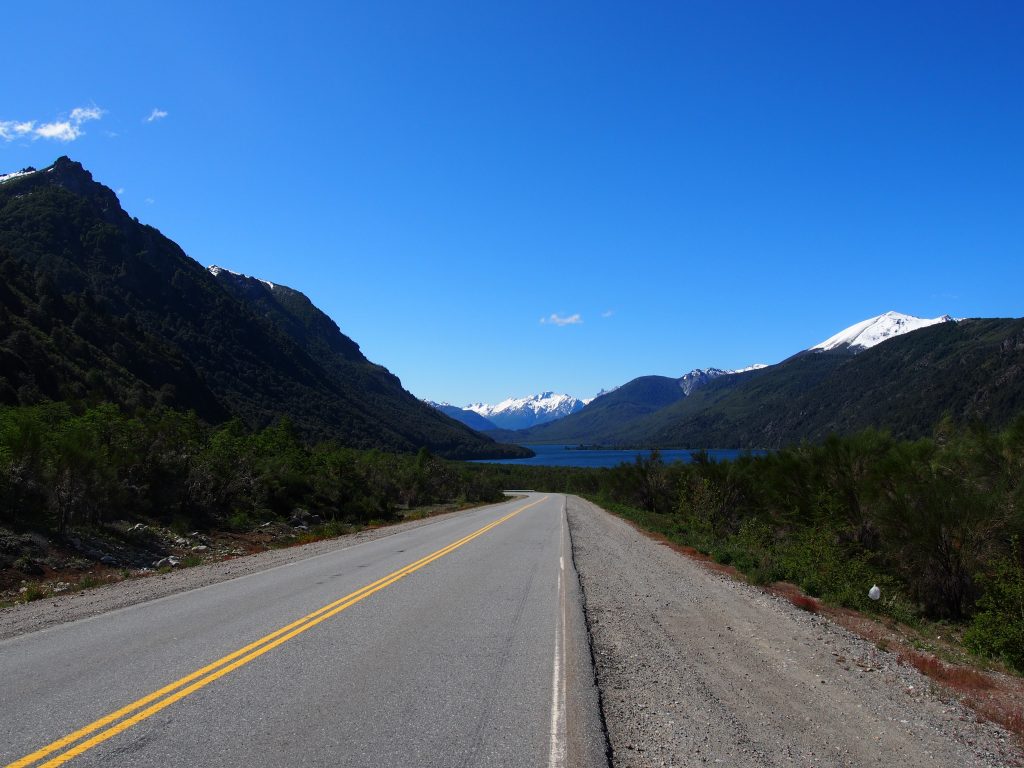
937,523
62,468
94,493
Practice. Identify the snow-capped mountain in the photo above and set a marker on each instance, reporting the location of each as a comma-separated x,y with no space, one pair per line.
875,330
523,412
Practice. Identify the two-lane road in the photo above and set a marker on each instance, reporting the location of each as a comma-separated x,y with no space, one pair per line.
458,643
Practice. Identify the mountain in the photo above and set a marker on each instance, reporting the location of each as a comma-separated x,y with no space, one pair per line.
603,417
868,333
606,414
525,412
698,377
469,418
970,370
95,306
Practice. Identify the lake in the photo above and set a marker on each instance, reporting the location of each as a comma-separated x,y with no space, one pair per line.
571,456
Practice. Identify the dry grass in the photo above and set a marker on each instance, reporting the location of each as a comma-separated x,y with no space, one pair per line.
960,678
794,595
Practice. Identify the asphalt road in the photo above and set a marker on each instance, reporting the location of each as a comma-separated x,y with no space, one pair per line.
459,643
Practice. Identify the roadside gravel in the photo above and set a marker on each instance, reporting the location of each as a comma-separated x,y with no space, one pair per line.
695,668
70,606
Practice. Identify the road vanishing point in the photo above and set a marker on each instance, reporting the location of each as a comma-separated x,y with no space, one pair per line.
457,643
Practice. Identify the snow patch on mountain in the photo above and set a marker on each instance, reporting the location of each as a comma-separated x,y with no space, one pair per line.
875,330
16,175
698,377
214,270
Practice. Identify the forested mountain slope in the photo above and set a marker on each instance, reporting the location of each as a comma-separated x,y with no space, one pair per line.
96,306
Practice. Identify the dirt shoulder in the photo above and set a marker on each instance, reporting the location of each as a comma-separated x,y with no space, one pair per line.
142,586
695,668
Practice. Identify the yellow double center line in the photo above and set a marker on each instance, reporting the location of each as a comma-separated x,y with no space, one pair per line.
110,725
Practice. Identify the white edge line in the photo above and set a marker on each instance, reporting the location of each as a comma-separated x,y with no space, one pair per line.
556,751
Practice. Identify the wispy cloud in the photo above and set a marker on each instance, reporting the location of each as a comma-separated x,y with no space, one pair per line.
12,129
81,114
62,129
608,313
156,114
556,319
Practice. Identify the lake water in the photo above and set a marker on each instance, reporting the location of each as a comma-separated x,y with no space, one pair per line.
570,456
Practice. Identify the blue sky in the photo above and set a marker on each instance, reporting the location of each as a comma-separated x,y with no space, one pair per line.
696,183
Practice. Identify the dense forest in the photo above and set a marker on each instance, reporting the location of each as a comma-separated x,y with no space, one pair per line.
937,523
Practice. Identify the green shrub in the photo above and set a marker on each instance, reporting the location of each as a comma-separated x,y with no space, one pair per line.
997,629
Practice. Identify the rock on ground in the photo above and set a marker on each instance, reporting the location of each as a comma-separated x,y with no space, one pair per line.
695,668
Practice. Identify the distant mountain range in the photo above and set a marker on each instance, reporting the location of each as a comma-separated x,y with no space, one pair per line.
971,369
95,306
515,412
529,411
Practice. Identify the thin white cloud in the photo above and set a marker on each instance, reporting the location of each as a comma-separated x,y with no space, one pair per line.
12,129
559,320
608,313
80,115
64,130
150,201
156,114
61,131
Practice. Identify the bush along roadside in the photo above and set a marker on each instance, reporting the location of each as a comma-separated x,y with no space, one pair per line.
936,524
95,488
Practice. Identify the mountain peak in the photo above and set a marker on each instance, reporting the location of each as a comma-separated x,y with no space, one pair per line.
875,330
73,175
70,175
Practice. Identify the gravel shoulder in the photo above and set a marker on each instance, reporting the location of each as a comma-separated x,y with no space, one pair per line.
22,618
695,668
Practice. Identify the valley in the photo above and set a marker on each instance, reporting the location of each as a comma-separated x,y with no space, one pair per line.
540,385
161,421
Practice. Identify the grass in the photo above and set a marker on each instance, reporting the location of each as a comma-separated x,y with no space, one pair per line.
34,592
